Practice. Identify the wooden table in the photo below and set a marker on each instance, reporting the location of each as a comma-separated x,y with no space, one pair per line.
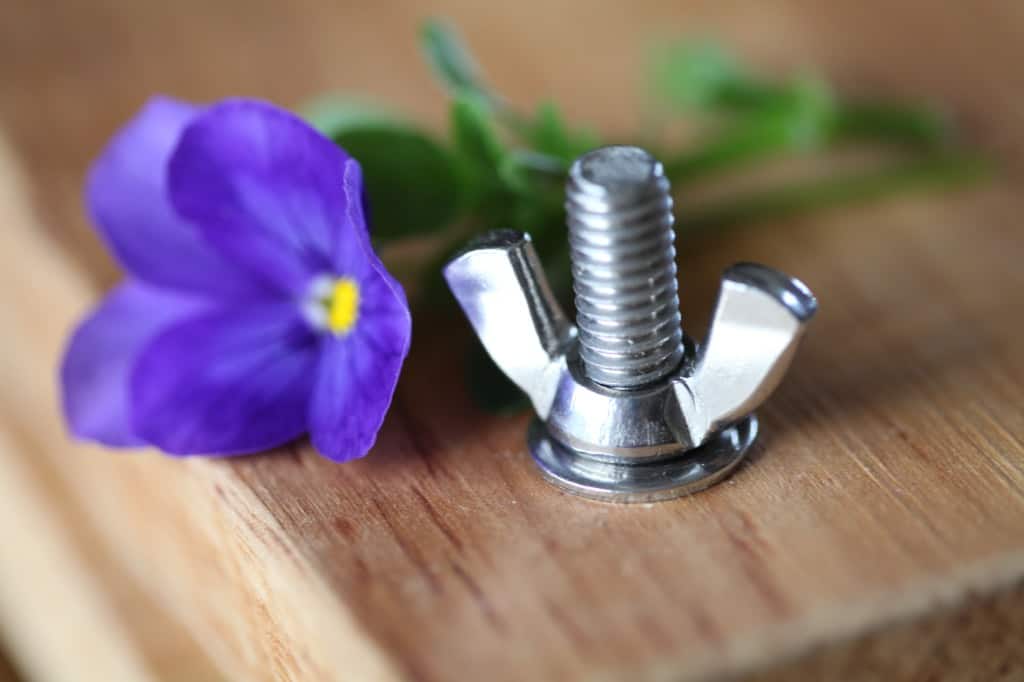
878,532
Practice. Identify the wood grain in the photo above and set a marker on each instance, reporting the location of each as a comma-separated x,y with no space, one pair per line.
885,501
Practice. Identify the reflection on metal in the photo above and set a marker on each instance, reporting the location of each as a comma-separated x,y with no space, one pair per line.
628,408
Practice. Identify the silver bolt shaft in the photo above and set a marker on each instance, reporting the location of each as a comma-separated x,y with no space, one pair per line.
623,264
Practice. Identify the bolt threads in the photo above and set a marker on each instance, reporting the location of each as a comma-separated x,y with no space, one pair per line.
623,264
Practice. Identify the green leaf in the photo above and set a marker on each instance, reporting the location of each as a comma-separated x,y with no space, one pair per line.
549,134
804,123
515,175
532,174
478,149
693,74
701,76
451,61
333,113
474,134
410,179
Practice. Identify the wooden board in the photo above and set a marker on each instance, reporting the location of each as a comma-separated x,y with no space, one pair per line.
879,525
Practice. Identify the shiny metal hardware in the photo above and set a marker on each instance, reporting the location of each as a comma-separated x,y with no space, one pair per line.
629,409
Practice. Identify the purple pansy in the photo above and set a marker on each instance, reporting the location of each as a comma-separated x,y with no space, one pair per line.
255,309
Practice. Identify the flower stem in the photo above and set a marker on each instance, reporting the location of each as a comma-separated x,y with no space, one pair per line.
802,128
947,169
891,123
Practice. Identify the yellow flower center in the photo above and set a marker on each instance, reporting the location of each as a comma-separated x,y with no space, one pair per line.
342,306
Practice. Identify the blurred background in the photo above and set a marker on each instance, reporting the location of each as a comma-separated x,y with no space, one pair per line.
72,71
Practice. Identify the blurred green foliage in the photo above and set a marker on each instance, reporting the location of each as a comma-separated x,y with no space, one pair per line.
501,168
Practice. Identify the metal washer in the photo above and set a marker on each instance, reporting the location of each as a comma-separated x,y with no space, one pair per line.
661,479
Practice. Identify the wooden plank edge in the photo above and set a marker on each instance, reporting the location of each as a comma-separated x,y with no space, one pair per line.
828,637
980,639
66,610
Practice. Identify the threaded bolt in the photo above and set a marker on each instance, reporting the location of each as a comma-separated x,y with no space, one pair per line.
623,265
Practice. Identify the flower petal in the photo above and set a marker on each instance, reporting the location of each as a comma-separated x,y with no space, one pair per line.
126,193
230,381
358,373
352,254
101,353
266,189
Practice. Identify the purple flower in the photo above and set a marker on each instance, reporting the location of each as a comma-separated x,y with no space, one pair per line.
254,310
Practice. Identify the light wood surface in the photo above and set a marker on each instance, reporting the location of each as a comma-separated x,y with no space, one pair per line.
878,532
